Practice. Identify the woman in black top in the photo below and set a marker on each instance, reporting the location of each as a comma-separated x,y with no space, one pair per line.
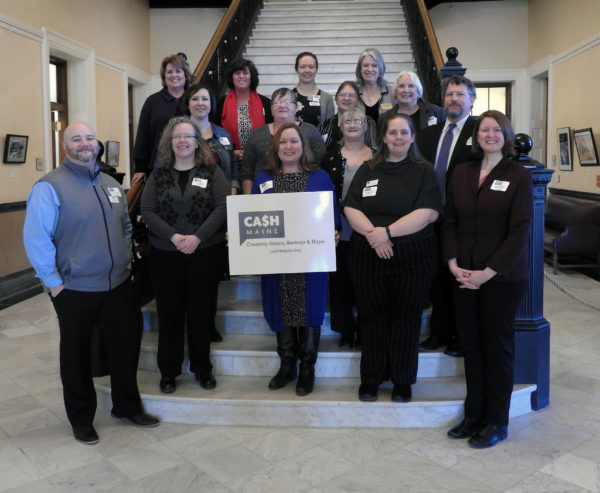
392,203
183,205
314,105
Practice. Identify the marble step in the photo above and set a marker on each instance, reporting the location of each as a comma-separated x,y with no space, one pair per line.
320,38
255,355
299,42
245,316
328,4
341,50
284,64
246,401
330,8
267,31
373,21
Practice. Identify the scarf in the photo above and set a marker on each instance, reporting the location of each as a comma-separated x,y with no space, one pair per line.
229,117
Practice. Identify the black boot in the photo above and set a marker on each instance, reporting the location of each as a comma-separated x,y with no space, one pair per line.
309,346
287,348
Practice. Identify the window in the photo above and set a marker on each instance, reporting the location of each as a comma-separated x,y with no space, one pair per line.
492,96
58,107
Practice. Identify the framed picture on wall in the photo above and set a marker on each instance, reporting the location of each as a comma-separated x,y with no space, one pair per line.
112,153
15,149
586,147
564,149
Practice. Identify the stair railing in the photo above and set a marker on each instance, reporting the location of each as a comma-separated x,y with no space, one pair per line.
227,43
426,50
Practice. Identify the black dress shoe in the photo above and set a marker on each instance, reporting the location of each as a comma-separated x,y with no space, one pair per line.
465,429
346,342
454,349
215,336
402,393
488,436
140,419
207,380
85,434
368,392
432,343
167,385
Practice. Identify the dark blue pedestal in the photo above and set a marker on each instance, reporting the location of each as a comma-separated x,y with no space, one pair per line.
532,330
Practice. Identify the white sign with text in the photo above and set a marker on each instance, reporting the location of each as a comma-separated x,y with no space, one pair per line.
281,233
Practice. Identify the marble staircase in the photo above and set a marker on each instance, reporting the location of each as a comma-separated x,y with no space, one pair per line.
335,31
246,359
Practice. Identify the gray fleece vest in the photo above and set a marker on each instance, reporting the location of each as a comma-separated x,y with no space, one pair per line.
93,231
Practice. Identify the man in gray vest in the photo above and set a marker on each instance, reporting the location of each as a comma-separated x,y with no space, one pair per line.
77,235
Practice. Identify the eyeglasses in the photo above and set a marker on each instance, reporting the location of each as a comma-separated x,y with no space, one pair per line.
184,137
280,102
355,122
350,95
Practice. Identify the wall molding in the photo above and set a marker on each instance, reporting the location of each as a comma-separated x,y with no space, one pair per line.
577,49
13,207
575,193
13,26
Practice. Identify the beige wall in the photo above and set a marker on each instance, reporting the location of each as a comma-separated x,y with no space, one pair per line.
488,35
557,25
186,30
12,252
569,33
116,29
21,109
110,124
563,37
118,32
573,107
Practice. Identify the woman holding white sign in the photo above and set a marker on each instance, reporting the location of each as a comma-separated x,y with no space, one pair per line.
294,304
392,203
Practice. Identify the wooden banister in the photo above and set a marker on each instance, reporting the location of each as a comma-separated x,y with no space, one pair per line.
215,40
133,196
435,47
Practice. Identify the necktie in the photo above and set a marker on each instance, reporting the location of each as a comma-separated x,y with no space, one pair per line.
441,165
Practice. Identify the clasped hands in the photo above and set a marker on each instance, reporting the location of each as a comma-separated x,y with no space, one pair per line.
470,279
185,243
379,241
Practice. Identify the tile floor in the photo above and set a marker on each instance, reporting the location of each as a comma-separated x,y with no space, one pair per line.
553,450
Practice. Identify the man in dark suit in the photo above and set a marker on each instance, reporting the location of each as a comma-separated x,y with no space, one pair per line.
447,145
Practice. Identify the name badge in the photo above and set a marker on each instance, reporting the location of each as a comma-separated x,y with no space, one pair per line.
224,141
369,191
469,141
372,183
199,182
386,106
267,185
113,199
500,186
314,103
432,120
114,192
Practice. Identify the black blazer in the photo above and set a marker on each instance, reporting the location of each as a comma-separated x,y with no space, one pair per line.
428,138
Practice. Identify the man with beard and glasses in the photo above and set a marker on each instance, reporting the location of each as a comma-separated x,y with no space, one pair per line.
447,145
77,235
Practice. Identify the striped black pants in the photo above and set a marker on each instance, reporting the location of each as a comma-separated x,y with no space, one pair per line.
391,295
